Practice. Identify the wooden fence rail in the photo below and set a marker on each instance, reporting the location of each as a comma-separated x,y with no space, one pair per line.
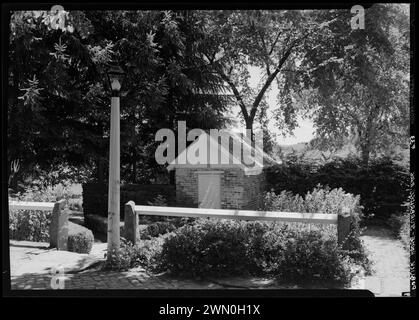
342,221
58,228
25,205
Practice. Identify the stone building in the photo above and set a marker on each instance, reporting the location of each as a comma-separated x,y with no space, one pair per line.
215,184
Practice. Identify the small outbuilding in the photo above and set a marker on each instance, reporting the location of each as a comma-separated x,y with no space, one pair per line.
220,185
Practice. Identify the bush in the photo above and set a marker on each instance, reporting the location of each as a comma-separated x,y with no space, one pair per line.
382,186
158,228
80,239
306,255
288,251
328,201
225,247
47,194
29,225
33,225
319,200
146,254
207,248
75,204
124,258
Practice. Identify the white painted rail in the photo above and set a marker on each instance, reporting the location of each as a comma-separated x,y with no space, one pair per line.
319,218
23,205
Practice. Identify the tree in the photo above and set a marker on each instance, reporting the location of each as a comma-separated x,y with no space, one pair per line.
165,82
50,71
354,84
267,39
58,109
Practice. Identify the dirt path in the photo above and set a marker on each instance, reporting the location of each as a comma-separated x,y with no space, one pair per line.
391,263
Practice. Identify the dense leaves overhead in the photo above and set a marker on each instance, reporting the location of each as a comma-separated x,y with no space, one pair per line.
58,95
193,66
354,83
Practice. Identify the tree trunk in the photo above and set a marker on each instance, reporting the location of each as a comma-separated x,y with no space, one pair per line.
134,166
365,153
249,128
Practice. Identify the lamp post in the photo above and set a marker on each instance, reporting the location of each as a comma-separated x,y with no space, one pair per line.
115,77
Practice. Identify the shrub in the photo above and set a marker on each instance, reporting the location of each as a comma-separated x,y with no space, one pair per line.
80,239
225,247
319,200
207,248
124,258
29,225
33,225
75,204
382,186
158,201
146,254
328,201
288,251
400,227
158,228
45,194
308,256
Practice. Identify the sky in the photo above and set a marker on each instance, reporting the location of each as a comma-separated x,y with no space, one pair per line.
305,130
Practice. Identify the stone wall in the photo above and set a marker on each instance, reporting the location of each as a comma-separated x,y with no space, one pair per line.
95,196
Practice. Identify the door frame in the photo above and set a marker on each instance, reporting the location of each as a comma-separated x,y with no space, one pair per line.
212,173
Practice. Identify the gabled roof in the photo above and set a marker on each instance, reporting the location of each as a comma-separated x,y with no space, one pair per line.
215,149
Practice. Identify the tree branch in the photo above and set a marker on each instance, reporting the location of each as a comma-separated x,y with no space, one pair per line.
265,54
236,94
274,43
268,82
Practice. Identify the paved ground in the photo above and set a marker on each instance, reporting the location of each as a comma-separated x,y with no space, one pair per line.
391,263
34,266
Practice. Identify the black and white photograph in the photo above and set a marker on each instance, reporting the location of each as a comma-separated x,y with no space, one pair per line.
220,148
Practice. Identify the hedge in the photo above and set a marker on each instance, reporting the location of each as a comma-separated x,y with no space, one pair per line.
383,186
29,225
95,196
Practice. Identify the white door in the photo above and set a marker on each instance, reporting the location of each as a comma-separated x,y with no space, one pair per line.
209,188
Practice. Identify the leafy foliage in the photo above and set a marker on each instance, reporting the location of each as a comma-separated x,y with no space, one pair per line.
290,252
80,239
222,247
327,201
29,225
382,186
58,94
264,39
146,254
355,83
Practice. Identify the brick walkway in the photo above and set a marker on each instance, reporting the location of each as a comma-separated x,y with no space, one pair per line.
391,266
391,263
106,280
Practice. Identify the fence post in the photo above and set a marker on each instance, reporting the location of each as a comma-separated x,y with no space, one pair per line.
344,226
58,229
130,222
62,232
